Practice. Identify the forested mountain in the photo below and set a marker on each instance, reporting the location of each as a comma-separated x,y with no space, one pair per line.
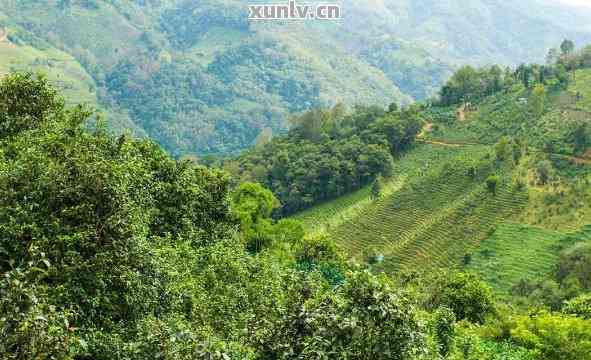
199,78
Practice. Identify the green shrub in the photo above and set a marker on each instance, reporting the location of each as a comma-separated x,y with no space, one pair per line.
492,183
466,295
444,330
579,306
554,337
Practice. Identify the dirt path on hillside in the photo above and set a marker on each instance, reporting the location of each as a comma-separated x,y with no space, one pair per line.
447,143
579,160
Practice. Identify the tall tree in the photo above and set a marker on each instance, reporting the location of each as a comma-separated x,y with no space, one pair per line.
567,47
538,100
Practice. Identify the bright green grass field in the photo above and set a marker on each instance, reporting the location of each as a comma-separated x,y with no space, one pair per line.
516,252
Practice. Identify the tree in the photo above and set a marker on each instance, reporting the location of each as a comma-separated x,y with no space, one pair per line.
364,318
289,231
444,330
376,188
310,125
317,249
552,57
251,202
579,306
492,183
503,149
80,215
586,56
573,266
544,171
567,47
538,100
466,295
554,336
393,107
524,74
580,133
253,205
27,102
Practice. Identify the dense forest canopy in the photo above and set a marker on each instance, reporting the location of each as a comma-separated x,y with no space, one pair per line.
328,153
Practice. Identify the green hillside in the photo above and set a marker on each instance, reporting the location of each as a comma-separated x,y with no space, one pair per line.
435,219
415,241
200,79
327,216
440,211
509,114
442,217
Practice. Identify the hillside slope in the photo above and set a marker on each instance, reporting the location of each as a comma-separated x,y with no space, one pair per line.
199,78
482,191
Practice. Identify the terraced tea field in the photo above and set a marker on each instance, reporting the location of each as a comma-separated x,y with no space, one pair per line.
517,251
456,229
434,214
430,223
332,214
431,215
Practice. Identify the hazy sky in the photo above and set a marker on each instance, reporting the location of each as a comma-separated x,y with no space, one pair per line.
577,2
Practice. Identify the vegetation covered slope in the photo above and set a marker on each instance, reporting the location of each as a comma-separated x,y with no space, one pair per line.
199,78
499,176
111,249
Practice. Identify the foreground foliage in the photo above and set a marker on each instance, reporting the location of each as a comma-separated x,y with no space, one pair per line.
109,249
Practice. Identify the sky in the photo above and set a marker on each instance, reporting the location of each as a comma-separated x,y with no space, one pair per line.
576,2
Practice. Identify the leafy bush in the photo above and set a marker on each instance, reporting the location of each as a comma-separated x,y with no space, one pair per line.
364,318
579,306
30,325
26,102
554,336
492,183
466,295
444,330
